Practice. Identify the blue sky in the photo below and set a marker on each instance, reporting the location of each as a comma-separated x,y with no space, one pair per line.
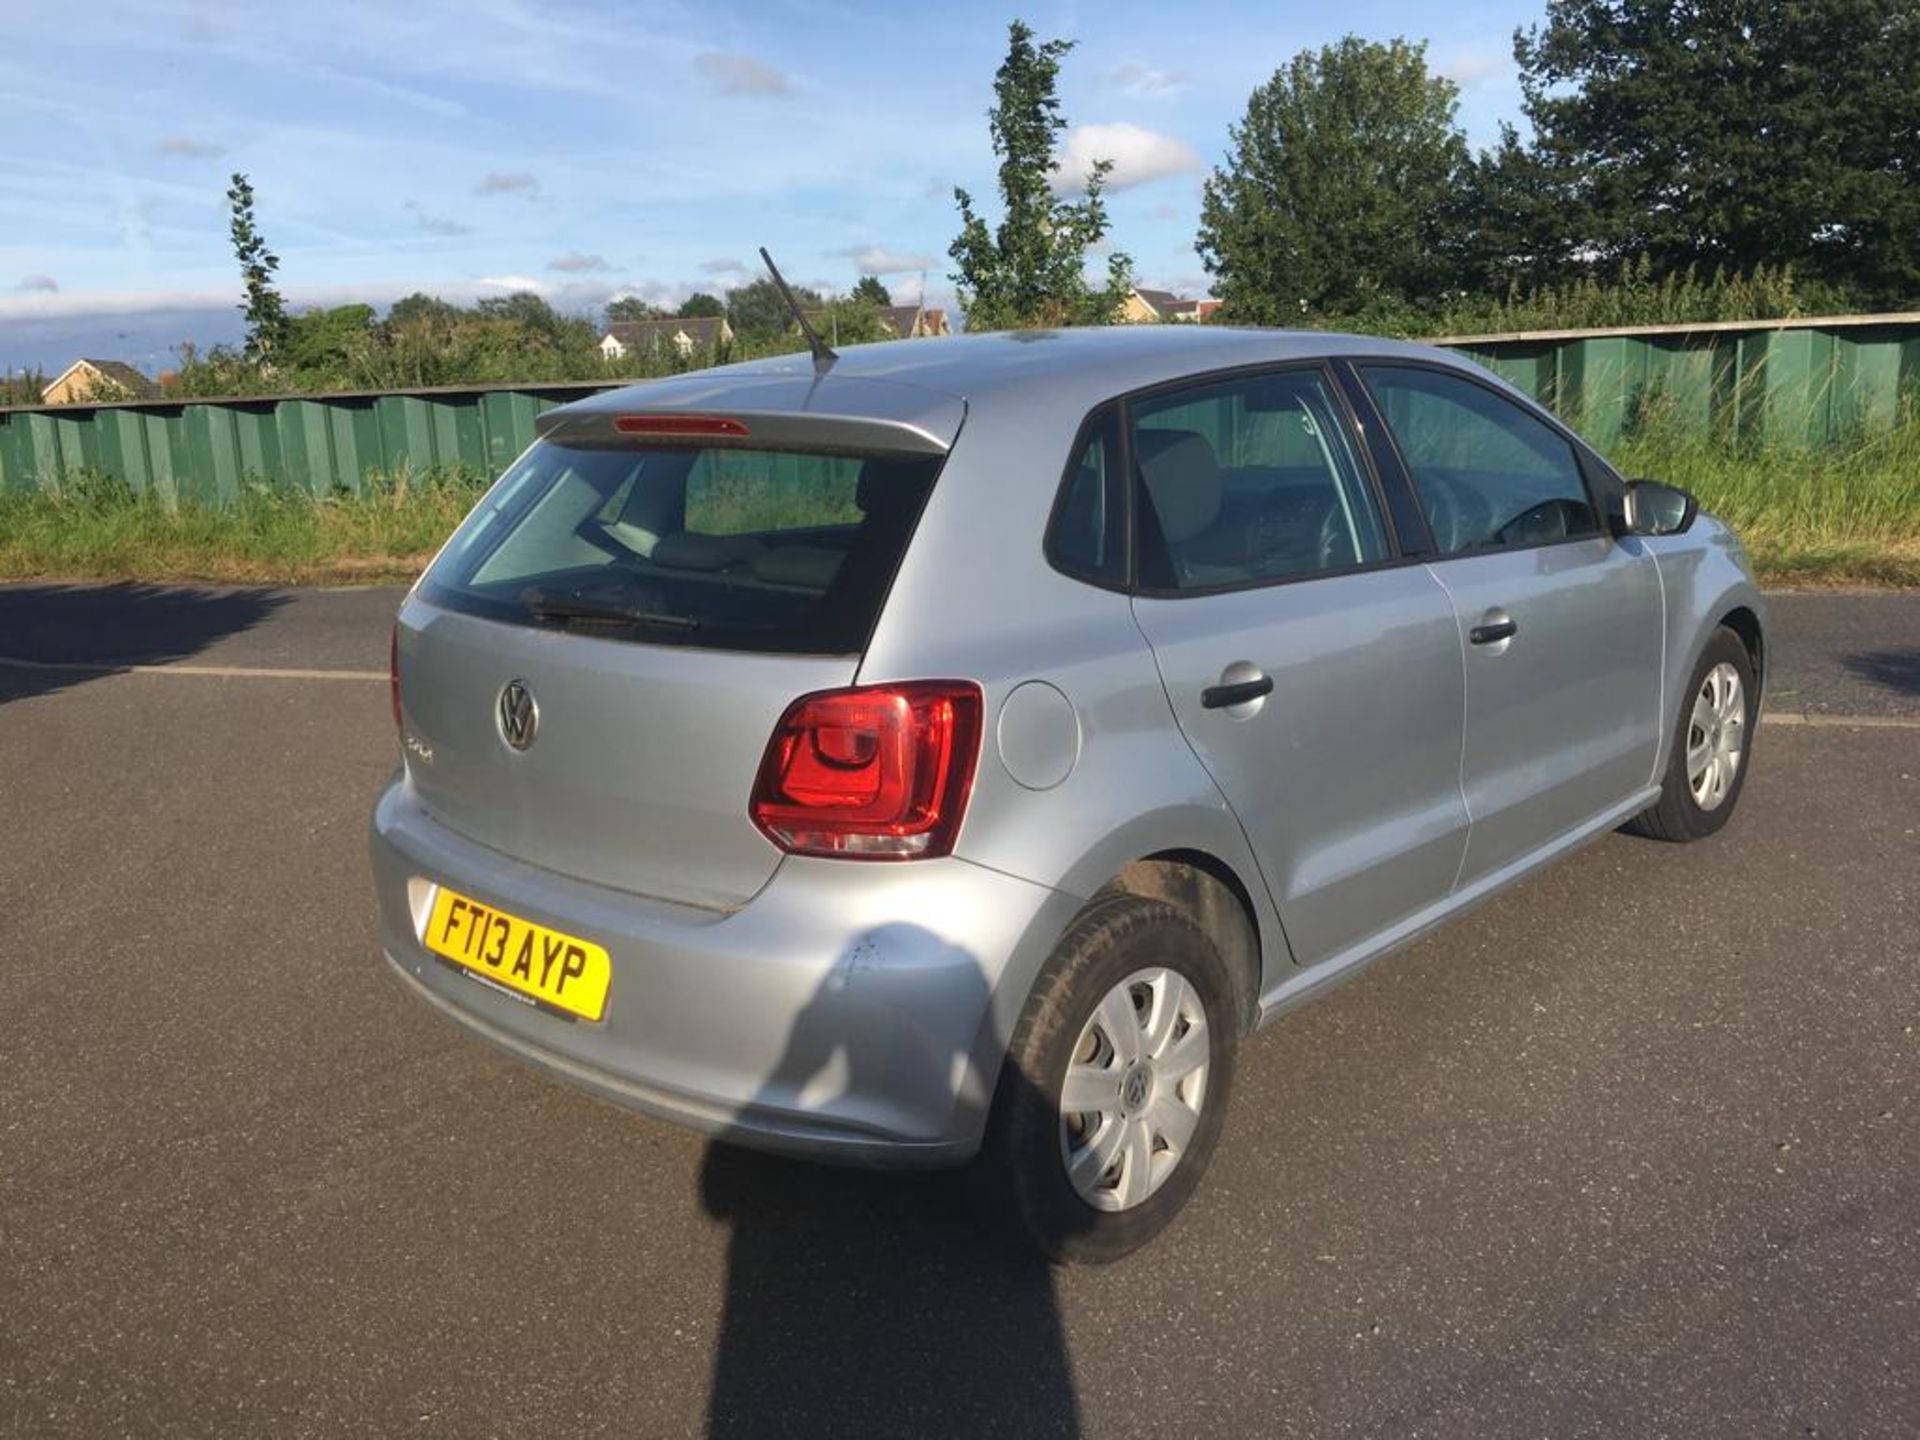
471,147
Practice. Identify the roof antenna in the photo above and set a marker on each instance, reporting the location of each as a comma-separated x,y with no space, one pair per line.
823,356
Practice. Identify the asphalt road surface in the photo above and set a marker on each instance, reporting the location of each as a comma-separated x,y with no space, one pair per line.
1633,1150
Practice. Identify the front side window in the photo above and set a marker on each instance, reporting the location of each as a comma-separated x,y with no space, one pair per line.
1249,479
1489,474
720,547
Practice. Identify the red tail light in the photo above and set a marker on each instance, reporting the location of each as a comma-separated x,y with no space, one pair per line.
393,677
876,773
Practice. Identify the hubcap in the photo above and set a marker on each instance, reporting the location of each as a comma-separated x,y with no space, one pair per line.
1134,1088
1716,736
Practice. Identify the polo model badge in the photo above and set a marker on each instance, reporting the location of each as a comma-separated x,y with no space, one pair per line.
519,715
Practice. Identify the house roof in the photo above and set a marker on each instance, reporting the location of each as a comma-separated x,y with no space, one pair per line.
137,386
1168,303
700,329
902,318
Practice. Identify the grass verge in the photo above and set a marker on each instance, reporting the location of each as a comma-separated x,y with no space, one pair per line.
1844,515
94,529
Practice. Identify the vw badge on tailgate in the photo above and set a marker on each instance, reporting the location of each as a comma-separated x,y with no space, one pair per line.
518,714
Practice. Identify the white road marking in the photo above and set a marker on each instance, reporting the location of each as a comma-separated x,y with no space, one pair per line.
1834,722
218,672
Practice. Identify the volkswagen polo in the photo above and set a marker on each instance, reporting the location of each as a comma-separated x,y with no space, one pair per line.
947,754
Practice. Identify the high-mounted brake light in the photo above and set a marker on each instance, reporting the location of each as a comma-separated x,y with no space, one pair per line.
880,772
699,425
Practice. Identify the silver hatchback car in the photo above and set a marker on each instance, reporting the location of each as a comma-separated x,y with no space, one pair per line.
946,755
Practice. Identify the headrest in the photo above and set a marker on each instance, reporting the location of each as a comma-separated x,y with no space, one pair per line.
1182,476
799,565
690,550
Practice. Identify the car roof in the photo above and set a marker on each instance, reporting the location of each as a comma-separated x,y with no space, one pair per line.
1074,368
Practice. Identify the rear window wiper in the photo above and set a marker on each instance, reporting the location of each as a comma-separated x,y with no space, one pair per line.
546,605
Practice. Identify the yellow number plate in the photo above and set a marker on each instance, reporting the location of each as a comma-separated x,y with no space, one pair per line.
555,969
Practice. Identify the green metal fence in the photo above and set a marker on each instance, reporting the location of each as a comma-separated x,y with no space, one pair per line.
1804,382
205,449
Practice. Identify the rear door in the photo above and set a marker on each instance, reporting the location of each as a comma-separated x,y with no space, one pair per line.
1315,673
1562,624
659,606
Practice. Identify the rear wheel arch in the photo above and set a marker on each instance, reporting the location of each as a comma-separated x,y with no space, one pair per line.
1208,891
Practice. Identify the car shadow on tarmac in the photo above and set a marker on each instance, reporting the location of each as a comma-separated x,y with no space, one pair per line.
45,628
870,1302
1895,670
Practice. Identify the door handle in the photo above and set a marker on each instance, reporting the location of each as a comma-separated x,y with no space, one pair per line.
1498,626
1239,692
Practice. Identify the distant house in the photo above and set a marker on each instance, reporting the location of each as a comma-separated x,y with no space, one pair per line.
676,335
899,322
98,380
911,322
1152,307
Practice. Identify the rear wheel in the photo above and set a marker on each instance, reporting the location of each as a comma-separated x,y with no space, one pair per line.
1708,754
1111,1098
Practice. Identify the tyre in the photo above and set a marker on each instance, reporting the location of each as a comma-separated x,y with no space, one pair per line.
1110,1101
1711,747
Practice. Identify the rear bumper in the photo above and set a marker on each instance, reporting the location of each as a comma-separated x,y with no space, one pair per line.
856,1012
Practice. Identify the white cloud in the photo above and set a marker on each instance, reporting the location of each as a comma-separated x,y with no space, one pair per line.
1148,82
187,147
740,74
1471,66
878,260
722,266
508,182
80,303
575,263
1139,155
38,285
515,282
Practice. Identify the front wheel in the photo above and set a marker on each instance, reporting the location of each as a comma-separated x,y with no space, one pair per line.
1711,747
1110,1101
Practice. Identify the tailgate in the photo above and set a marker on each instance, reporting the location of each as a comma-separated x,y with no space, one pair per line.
641,764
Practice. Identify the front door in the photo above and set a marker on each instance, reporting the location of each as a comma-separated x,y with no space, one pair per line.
1562,623
1318,681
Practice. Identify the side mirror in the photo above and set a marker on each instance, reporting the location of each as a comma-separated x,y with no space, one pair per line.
1656,509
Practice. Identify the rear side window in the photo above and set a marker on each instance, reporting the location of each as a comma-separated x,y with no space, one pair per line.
719,547
1489,474
1250,479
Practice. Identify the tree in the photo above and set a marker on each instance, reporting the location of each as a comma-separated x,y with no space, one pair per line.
757,309
1031,269
701,305
416,309
266,312
868,290
1506,228
631,307
1735,133
329,342
1334,197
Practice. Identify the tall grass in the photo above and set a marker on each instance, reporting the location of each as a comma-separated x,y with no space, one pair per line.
88,525
1846,512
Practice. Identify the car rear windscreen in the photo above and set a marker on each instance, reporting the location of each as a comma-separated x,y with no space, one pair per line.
720,547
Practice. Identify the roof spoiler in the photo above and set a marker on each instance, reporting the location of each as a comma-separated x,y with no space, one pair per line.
764,412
